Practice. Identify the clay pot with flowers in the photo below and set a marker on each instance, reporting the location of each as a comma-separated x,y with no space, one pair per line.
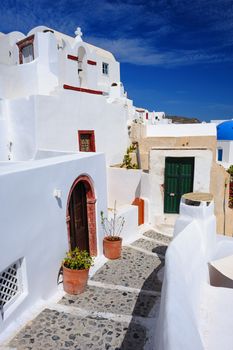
112,242
75,268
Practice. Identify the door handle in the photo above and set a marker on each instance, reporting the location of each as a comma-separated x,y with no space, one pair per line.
172,194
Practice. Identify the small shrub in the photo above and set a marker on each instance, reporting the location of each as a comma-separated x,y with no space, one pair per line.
230,171
78,260
127,160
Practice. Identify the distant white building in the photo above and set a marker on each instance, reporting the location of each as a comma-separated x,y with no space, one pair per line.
225,143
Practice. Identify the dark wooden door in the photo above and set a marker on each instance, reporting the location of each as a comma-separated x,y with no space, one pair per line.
179,174
78,218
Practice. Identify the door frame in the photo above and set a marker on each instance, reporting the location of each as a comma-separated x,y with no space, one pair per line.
91,212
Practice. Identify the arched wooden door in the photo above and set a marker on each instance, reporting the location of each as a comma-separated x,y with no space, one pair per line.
78,218
81,219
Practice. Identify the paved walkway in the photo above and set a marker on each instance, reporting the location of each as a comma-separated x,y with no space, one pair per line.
117,311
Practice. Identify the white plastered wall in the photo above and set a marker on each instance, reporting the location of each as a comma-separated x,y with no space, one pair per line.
180,130
227,147
123,185
202,169
59,119
37,77
21,128
33,221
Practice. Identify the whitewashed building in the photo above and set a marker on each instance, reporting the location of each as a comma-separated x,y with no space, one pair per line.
58,96
64,116
225,143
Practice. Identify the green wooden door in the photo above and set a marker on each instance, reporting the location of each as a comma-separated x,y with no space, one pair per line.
178,180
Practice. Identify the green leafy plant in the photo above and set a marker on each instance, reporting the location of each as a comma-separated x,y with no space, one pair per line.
127,160
112,227
230,171
78,260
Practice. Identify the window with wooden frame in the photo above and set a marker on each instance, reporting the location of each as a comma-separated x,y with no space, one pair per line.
86,139
26,50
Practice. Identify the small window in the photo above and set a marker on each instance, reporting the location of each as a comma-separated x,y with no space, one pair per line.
220,154
86,140
26,50
105,68
27,53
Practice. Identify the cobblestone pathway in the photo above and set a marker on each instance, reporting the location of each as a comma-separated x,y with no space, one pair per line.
117,311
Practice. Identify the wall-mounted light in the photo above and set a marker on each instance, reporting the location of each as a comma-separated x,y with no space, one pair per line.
57,193
60,44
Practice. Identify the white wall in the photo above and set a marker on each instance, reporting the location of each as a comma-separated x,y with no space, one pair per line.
195,315
130,229
185,269
123,185
178,130
59,119
13,83
202,168
8,49
33,222
3,131
227,147
52,122
186,274
21,128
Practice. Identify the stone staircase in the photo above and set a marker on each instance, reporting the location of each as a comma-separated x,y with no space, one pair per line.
118,310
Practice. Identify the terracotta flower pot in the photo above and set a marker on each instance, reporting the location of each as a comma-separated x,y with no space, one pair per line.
74,281
112,248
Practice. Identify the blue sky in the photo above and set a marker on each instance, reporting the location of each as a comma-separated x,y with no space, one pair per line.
176,55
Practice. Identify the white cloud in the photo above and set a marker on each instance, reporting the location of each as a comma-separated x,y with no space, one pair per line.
142,52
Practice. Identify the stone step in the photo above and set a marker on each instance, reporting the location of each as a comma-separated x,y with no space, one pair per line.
99,299
59,330
134,269
159,237
151,246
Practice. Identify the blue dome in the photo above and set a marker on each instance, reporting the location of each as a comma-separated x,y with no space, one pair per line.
225,131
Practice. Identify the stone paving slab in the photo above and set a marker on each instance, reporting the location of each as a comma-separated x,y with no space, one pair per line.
158,236
114,301
153,247
58,330
135,269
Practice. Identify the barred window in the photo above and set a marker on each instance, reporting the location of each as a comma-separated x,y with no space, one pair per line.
10,285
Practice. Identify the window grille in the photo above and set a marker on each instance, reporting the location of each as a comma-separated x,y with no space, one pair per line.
10,285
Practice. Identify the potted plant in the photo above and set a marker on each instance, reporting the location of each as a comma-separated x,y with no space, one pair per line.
76,267
112,242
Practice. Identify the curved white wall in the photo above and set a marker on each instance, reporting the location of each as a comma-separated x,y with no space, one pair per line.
186,274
